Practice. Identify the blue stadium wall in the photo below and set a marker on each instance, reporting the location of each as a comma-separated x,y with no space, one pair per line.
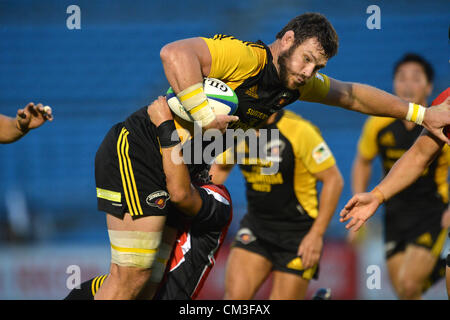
96,76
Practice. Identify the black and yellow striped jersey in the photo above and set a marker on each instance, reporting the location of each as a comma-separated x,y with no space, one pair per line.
390,139
287,199
247,67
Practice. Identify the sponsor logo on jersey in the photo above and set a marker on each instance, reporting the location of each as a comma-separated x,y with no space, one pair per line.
158,199
321,153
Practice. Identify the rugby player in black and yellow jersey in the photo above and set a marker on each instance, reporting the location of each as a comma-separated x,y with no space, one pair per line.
413,235
282,232
266,78
410,167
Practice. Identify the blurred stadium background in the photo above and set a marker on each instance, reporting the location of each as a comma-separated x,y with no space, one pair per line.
96,76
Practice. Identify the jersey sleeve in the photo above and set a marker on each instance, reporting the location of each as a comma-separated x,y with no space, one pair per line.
367,143
316,89
214,213
312,149
234,60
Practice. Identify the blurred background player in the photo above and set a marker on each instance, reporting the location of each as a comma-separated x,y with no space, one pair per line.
196,225
414,234
283,230
31,117
409,168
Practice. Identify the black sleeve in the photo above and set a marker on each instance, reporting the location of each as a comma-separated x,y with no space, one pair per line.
214,213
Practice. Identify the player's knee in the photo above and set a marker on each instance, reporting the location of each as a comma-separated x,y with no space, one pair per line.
409,289
130,276
236,290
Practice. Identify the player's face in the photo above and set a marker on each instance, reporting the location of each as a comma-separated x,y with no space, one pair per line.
298,65
411,84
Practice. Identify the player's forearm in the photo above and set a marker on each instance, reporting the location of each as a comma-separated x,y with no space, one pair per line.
361,172
410,166
373,101
329,198
182,194
9,132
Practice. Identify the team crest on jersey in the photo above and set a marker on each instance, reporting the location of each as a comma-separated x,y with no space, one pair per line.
158,199
245,235
274,149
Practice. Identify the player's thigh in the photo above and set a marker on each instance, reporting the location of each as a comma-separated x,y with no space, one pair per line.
288,286
145,224
245,272
447,279
394,264
418,263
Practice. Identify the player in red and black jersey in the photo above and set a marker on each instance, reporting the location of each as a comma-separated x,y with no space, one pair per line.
197,223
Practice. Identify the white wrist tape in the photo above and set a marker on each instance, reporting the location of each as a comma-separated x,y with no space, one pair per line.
195,102
416,113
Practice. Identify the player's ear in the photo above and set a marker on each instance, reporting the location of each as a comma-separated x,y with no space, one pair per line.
288,39
429,88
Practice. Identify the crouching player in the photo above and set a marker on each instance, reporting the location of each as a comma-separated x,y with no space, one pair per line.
196,225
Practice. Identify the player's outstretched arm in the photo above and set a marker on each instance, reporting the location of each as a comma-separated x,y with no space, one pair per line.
31,117
366,99
404,172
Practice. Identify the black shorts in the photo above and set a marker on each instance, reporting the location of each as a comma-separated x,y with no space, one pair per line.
428,234
128,170
196,246
282,254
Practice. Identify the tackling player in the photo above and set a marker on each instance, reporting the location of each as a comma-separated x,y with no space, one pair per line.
404,172
191,240
413,232
282,233
31,117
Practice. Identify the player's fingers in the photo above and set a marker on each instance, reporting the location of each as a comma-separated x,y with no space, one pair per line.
439,133
21,113
351,223
48,113
231,118
358,225
351,203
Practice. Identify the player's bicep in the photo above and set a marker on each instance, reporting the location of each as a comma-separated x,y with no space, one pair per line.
214,213
339,94
195,49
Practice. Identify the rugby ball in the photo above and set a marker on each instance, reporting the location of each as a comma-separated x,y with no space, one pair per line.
221,98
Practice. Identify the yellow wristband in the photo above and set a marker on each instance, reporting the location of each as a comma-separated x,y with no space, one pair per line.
377,193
